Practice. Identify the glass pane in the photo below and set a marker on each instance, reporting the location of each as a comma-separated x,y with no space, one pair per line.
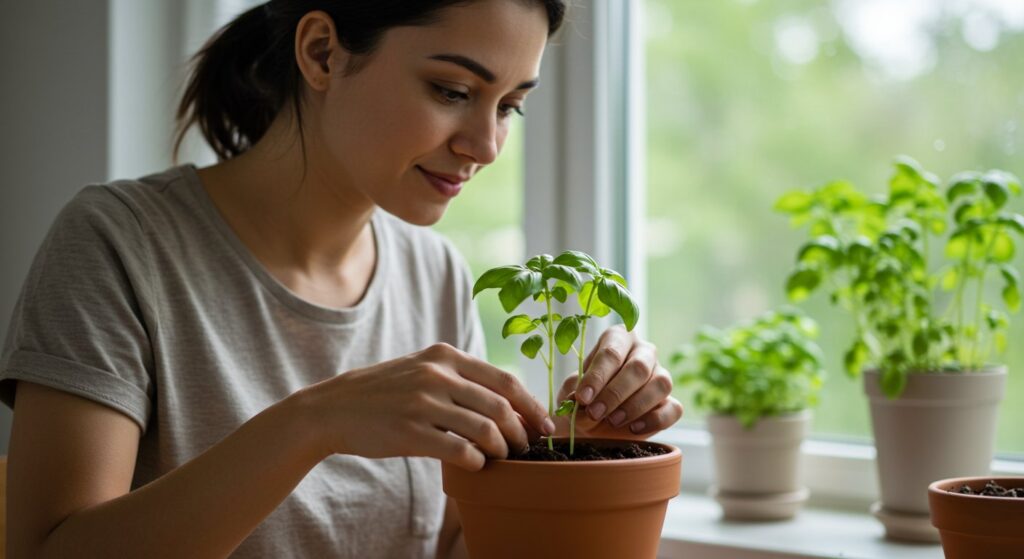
485,222
747,99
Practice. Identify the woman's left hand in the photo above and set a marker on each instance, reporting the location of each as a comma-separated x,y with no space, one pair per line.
624,392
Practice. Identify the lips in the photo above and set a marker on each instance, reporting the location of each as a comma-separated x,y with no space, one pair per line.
447,185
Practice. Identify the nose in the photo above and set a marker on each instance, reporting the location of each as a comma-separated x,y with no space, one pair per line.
479,138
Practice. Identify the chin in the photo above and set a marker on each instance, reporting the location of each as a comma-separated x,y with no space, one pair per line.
424,215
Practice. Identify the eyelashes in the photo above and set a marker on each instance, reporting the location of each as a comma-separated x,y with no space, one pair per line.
449,96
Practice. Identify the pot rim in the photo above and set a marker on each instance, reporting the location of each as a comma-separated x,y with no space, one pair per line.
674,454
991,369
940,488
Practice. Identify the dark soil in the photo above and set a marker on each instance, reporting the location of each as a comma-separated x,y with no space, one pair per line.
992,489
584,451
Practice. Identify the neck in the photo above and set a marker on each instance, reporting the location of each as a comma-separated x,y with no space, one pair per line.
305,226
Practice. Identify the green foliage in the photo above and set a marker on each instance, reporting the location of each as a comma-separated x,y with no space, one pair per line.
600,291
763,367
873,256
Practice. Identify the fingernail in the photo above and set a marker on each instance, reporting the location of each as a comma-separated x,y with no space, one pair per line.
549,426
597,411
617,418
586,395
637,426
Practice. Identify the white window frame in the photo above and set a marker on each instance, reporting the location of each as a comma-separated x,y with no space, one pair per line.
585,142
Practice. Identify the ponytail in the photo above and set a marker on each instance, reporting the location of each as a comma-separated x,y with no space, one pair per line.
234,91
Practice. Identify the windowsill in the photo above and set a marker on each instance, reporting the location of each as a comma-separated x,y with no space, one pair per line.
694,529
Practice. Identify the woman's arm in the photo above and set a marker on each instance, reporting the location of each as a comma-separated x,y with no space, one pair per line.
70,472
71,460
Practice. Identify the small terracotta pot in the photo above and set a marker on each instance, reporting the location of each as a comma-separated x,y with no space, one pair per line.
601,509
976,526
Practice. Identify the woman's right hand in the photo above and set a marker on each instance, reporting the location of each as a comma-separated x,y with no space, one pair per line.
407,406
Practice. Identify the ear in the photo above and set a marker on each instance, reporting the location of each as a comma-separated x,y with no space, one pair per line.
317,51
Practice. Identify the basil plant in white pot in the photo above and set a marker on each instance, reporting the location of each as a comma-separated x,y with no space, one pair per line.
759,379
927,277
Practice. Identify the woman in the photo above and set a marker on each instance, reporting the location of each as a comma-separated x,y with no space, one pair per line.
176,350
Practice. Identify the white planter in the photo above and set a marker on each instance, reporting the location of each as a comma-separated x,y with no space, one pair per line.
942,426
757,470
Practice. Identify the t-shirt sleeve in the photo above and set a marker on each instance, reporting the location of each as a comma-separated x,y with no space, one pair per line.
79,324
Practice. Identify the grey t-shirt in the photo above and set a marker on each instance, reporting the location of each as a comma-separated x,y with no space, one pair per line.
142,298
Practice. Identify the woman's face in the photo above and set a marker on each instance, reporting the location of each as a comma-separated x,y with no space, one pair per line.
431,100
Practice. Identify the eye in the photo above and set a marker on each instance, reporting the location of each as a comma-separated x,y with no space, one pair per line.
449,96
506,110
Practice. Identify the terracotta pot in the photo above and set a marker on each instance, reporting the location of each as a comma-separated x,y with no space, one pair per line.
757,470
602,509
943,425
977,527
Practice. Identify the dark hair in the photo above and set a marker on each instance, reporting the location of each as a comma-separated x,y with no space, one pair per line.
244,75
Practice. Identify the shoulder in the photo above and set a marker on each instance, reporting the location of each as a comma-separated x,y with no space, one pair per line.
120,206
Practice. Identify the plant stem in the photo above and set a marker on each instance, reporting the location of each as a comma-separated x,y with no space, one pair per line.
551,364
579,369
981,292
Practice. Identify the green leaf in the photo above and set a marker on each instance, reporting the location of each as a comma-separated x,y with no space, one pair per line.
855,358
531,346
1011,296
794,202
1013,221
566,334
961,185
559,293
565,408
519,324
997,192
539,263
893,381
496,278
581,261
956,247
620,300
563,273
614,276
1002,248
596,306
824,249
802,283
518,288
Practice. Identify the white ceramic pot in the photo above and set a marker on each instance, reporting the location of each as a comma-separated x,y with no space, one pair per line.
758,472
942,426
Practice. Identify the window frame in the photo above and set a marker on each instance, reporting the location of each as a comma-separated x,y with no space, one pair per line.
585,140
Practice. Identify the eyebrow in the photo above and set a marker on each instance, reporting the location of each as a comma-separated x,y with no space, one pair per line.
478,69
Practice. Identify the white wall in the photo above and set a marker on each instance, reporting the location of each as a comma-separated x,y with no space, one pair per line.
54,136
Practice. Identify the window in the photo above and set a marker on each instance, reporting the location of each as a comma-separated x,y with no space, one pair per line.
748,99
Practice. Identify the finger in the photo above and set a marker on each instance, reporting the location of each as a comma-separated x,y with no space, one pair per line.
631,377
568,389
506,385
661,417
607,357
614,330
489,404
469,425
650,396
449,448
